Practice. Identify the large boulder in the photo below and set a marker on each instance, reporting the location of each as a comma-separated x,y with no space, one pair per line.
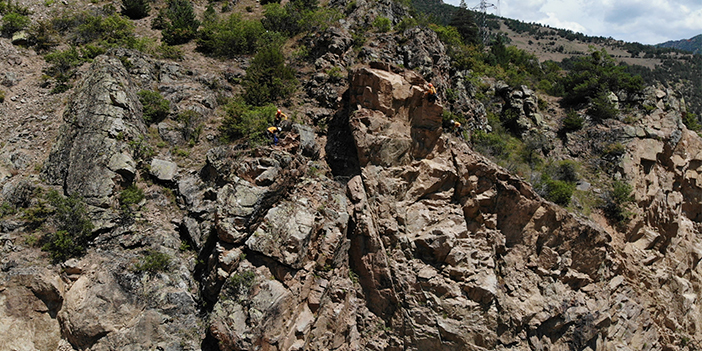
92,155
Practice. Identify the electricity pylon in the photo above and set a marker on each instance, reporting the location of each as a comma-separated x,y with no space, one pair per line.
481,11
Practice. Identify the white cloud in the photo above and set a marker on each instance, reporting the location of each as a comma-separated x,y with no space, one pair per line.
644,21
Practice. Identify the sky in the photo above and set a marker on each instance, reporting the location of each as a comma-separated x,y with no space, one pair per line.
643,21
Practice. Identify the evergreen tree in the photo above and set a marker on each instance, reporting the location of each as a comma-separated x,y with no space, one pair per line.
464,22
136,9
182,26
268,78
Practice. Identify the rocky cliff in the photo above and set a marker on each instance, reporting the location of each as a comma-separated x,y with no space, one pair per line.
382,232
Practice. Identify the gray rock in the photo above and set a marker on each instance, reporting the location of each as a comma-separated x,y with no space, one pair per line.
308,145
9,79
284,234
170,132
104,113
18,191
163,170
20,38
235,204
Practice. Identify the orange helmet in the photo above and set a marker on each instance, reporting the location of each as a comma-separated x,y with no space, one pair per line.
430,85
279,111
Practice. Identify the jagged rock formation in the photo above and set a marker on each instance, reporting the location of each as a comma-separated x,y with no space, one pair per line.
429,246
416,243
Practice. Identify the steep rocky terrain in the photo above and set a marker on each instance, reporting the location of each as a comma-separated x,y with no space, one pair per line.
368,226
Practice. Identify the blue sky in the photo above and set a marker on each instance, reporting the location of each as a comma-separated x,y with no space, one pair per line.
643,21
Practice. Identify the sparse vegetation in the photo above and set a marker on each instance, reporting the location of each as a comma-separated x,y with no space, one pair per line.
242,120
128,197
382,24
154,262
156,108
13,22
240,283
73,227
230,37
616,201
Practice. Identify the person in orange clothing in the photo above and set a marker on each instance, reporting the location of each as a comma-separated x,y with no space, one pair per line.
279,117
431,93
272,133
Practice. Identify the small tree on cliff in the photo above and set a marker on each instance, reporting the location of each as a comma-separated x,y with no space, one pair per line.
182,25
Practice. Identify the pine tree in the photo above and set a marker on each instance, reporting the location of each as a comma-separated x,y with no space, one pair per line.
464,22
182,26
136,9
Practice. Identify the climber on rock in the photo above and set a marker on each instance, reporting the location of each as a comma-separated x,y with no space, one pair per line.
279,117
431,93
457,128
272,133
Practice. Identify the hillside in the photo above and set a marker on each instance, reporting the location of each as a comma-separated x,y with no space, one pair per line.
693,44
528,205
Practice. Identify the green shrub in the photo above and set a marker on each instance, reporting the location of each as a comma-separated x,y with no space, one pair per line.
464,22
691,121
181,26
489,143
108,31
597,75
277,18
230,37
572,123
155,106
406,23
136,9
63,62
142,150
616,201
7,209
63,65
382,24
268,78
161,20
13,22
91,51
602,108
43,36
566,170
191,128
240,283
559,191
131,195
7,6
2,96
154,262
244,121
73,227
170,52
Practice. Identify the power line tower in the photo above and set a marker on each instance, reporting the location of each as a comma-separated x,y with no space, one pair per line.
481,11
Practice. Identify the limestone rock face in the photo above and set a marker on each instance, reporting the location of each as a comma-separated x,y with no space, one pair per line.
92,156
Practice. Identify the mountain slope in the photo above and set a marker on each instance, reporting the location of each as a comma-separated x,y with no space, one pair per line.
693,45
